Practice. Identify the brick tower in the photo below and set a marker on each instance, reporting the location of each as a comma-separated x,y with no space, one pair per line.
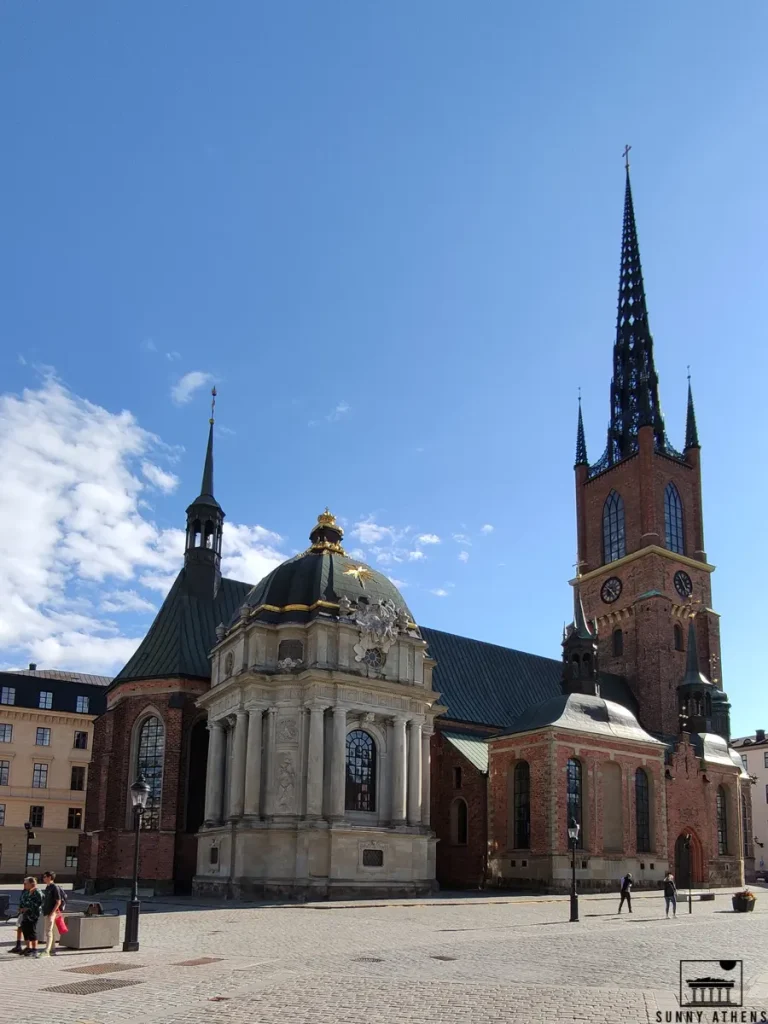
640,529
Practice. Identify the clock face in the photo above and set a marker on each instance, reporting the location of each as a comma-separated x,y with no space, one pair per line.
611,589
683,584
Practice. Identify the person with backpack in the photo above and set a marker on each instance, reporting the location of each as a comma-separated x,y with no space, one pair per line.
54,902
626,892
670,893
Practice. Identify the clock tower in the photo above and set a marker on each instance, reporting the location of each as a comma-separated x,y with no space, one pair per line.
643,567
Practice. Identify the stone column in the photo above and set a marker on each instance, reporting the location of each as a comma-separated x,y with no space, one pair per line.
269,773
398,770
338,763
253,764
426,768
315,761
415,780
237,787
214,786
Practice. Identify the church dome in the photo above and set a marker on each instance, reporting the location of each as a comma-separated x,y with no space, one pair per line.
320,580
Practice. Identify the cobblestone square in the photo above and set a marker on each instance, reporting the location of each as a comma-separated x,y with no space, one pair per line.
451,960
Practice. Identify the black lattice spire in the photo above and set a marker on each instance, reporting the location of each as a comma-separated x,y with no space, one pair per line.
581,444
691,431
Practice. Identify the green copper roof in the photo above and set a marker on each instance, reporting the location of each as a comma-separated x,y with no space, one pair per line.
180,639
475,750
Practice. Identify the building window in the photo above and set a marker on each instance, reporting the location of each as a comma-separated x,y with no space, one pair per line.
618,643
149,763
40,776
574,794
83,703
293,649
75,818
36,816
43,738
6,734
765,758
614,542
459,824
7,695
2,814
5,771
642,811
722,822
81,740
45,702
457,777
361,772
33,856
77,778
745,826
70,857
673,520
678,638
1,781
522,784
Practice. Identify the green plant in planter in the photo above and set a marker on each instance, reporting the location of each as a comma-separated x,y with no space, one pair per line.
743,901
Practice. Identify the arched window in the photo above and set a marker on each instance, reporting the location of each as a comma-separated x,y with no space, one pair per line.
673,520
208,541
614,542
745,827
150,754
522,805
722,822
642,811
618,643
574,792
196,531
678,638
459,826
361,771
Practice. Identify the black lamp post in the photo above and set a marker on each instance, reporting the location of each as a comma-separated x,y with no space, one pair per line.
30,837
139,795
687,845
573,840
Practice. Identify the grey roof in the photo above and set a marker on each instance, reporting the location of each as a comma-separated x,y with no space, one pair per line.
473,748
714,750
581,712
491,685
184,631
68,677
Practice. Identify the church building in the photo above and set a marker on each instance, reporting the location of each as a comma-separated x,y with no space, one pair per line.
307,737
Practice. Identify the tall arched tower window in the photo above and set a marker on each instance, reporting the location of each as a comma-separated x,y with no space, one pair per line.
574,792
522,785
614,541
673,520
722,822
150,755
642,811
361,772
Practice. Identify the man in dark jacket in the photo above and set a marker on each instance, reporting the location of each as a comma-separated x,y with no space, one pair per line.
626,892
29,914
53,901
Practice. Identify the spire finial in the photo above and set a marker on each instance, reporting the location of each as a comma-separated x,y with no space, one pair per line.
625,154
691,430
213,404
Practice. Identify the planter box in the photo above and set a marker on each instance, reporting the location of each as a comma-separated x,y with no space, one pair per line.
741,906
98,932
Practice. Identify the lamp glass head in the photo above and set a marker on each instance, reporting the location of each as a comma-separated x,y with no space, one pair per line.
140,791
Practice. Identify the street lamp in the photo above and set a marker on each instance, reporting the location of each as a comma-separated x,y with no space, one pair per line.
687,845
139,795
573,839
30,837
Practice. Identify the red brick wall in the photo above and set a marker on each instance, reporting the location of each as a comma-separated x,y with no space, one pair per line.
106,848
457,866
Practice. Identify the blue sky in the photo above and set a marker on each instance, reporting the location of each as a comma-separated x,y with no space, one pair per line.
390,233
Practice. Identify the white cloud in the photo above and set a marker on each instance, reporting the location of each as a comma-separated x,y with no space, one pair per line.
358,554
463,556
439,592
462,538
165,482
486,528
340,410
173,357
185,387
78,472
416,556
428,538
400,584
368,531
148,345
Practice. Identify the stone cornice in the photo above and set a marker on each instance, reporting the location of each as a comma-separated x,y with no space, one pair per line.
651,549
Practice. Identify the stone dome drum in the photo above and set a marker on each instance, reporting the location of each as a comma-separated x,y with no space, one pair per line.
321,580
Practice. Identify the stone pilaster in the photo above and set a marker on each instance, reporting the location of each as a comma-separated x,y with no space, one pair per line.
315,762
214,790
253,764
415,780
398,770
338,763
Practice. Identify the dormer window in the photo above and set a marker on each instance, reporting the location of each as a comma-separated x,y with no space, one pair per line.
290,649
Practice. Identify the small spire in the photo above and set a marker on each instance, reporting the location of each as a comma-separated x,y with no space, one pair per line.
580,626
693,674
691,431
581,444
206,488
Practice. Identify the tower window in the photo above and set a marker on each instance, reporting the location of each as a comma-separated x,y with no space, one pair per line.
678,638
522,784
618,643
614,541
361,772
673,520
457,777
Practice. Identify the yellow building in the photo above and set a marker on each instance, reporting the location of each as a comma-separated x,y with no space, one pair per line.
46,736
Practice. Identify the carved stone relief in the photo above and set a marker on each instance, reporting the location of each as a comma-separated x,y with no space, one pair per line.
287,730
377,625
286,782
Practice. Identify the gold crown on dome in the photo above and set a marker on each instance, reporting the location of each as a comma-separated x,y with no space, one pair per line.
327,518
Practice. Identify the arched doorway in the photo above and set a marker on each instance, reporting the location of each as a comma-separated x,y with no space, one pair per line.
689,867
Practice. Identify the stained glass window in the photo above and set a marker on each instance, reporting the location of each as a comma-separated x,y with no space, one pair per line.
361,772
149,763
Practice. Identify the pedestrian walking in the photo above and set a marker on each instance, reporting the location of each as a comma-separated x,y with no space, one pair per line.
54,901
626,892
29,907
670,893
19,947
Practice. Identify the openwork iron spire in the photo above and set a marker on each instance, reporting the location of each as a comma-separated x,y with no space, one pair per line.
691,431
581,444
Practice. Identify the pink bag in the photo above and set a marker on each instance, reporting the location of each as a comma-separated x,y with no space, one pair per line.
61,925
